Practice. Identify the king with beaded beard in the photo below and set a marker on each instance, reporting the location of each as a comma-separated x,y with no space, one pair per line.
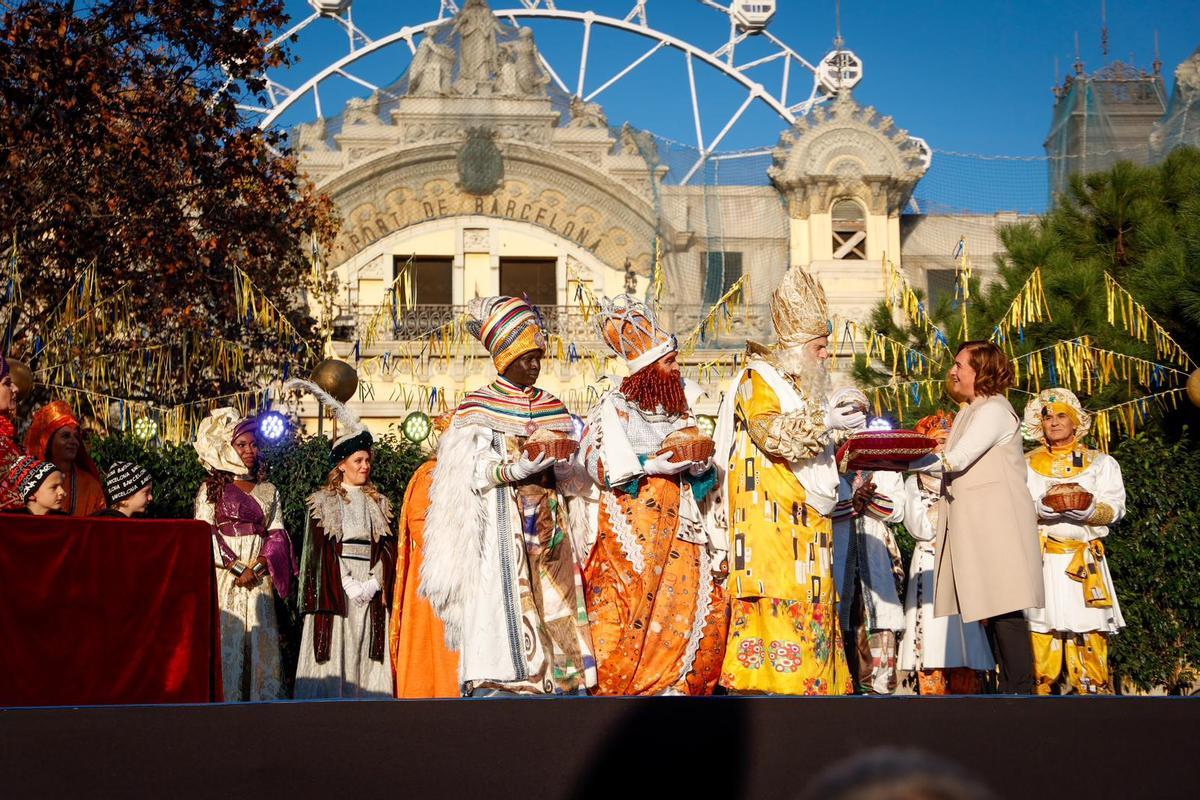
776,437
657,614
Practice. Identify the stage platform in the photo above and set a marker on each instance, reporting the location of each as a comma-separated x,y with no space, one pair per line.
614,748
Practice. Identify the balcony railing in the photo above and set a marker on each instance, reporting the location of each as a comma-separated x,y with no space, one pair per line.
569,323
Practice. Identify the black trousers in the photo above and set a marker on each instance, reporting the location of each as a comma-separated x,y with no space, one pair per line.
1009,637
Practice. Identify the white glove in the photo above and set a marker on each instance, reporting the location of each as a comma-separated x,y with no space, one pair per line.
845,418
526,466
848,396
698,468
368,591
662,464
352,588
1045,512
1081,515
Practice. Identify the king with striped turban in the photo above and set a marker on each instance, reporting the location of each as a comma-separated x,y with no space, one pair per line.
499,567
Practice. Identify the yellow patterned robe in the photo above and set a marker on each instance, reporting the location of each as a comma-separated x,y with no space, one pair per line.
783,632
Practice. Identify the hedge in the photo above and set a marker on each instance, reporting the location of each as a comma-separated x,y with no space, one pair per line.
297,468
1154,554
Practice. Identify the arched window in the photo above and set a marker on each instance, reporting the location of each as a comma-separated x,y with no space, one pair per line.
849,231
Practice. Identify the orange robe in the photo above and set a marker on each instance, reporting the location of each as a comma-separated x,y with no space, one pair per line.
644,626
423,665
88,493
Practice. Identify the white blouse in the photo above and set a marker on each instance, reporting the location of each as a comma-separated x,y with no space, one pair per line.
981,427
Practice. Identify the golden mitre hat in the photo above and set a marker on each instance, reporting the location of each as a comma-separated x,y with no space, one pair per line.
798,308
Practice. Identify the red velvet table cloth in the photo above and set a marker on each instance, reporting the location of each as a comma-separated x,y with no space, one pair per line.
97,611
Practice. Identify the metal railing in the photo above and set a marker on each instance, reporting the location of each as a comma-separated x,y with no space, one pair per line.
569,322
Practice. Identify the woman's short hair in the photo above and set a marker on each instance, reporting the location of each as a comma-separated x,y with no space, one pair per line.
993,368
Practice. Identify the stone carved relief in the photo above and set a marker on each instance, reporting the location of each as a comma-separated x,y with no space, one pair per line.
1187,74
486,68
448,80
362,110
846,150
360,153
479,52
421,132
599,198
432,69
521,73
477,240
590,156
638,143
311,136
586,115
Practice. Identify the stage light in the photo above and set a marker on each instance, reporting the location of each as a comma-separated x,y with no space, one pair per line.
707,425
416,427
272,426
145,428
880,424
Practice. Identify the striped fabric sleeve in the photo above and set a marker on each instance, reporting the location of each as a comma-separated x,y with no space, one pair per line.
880,506
843,511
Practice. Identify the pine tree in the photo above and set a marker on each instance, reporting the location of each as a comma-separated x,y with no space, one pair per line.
1139,224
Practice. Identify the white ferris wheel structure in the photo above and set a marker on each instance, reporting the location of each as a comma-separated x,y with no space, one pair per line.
762,68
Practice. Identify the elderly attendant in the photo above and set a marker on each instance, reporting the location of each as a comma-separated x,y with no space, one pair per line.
1070,632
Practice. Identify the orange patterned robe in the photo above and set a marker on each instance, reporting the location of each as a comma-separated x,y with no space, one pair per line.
657,613
423,665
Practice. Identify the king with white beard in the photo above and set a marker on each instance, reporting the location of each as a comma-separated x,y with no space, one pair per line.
775,444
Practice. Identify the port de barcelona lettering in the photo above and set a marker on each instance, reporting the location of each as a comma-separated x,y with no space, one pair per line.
402,207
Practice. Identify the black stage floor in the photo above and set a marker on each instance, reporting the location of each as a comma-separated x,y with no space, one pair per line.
589,747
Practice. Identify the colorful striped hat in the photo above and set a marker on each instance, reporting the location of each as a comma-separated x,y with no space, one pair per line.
507,326
28,474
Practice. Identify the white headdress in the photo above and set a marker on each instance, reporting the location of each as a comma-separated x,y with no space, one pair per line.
1064,399
214,441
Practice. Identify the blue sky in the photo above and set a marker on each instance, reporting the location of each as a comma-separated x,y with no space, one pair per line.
971,75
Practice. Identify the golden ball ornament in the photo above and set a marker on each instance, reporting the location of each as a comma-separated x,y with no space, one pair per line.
1193,387
22,377
336,377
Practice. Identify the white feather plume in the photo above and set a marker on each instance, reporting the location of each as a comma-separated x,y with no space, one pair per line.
344,415
454,528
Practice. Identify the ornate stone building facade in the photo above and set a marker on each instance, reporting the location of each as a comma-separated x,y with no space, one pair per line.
478,180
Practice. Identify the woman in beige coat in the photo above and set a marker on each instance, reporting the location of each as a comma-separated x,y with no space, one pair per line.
989,561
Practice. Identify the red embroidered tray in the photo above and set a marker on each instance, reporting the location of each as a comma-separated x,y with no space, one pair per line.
883,450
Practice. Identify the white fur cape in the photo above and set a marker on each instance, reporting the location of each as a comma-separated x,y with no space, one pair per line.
454,530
